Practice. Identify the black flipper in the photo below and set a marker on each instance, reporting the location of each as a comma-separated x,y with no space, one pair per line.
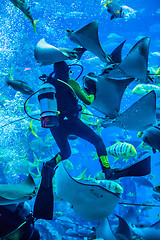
140,168
116,55
43,207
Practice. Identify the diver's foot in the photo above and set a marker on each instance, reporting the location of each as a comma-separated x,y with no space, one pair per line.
108,173
112,174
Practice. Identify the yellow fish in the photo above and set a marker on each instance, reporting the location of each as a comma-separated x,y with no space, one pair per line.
31,129
82,176
25,8
122,150
105,5
158,71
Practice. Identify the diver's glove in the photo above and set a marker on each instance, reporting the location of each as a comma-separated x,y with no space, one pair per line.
90,84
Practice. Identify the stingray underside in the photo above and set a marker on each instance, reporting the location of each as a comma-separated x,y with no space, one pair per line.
140,116
87,37
135,64
15,193
47,54
109,92
90,201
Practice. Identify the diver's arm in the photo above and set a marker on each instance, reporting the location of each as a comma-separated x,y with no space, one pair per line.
87,99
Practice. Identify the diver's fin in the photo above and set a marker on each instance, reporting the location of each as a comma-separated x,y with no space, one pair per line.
43,207
79,52
140,168
112,17
116,55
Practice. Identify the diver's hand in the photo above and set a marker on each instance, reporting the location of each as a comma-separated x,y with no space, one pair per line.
90,86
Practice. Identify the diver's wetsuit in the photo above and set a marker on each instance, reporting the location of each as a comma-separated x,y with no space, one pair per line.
69,122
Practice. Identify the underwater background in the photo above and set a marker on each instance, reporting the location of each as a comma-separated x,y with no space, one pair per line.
24,145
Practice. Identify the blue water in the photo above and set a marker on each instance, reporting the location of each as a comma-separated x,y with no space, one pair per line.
17,143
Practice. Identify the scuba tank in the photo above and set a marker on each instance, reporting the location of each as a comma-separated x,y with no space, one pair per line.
48,106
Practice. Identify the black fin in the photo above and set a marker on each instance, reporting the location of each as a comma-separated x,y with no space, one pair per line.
80,52
116,55
112,17
140,168
123,229
43,207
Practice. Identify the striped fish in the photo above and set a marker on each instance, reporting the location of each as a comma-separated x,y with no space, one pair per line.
122,150
23,5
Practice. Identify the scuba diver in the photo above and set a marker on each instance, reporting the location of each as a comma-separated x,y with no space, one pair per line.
69,123
67,91
17,222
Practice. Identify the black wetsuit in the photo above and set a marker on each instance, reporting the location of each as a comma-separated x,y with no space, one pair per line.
69,122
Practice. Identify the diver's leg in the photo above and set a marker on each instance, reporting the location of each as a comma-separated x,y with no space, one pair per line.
43,207
60,135
82,130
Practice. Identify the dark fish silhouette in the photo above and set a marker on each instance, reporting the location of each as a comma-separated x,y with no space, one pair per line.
20,86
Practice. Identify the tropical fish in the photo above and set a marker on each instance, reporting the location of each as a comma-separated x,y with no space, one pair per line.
118,11
25,8
114,9
31,129
142,89
151,136
20,86
89,119
158,71
82,176
122,150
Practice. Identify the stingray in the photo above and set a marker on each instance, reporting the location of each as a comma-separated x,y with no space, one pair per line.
89,200
109,92
135,64
140,116
104,231
48,54
111,84
87,37
148,233
15,193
